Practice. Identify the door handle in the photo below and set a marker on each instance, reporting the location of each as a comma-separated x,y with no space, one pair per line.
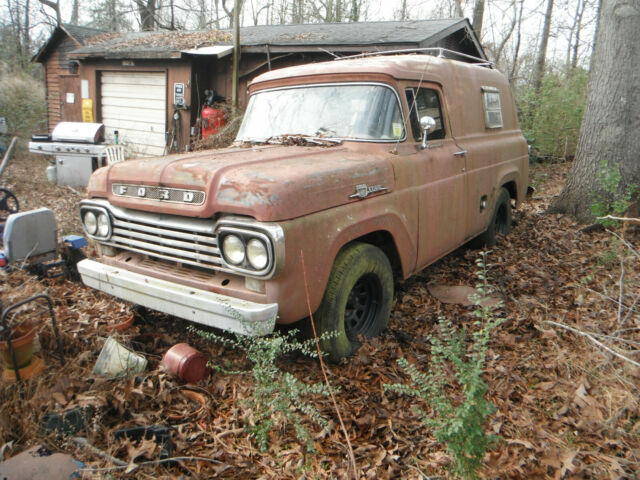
461,153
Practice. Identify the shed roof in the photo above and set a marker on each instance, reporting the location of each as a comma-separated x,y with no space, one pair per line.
78,34
337,37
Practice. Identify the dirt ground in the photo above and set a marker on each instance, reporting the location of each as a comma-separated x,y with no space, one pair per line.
567,407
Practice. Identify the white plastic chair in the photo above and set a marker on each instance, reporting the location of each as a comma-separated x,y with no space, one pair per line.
114,154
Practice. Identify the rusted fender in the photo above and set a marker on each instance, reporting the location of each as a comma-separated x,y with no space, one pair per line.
321,244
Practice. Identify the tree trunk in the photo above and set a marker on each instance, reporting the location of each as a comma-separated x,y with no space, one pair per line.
56,7
506,38
216,9
26,32
458,7
542,52
236,54
478,15
147,13
576,46
113,13
516,50
75,11
611,120
403,14
354,15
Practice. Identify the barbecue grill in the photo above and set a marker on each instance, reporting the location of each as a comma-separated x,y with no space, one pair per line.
78,149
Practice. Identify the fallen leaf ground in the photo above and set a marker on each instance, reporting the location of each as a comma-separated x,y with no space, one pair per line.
565,408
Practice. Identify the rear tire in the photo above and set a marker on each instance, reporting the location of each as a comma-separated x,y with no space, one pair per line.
500,222
357,300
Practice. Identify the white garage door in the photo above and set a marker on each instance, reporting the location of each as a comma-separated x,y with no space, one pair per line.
134,104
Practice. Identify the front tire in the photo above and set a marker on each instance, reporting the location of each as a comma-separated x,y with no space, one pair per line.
357,300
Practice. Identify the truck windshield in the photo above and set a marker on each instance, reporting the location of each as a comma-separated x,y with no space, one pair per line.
340,111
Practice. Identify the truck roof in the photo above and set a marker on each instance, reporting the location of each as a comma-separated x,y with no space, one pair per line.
401,67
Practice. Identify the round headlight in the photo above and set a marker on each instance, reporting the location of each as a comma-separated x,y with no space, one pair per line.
103,225
90,222
233,249
257,254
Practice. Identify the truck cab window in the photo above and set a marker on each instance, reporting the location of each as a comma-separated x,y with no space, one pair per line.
425,102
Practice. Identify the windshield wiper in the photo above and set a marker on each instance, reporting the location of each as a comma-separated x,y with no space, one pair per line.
293,139
300,139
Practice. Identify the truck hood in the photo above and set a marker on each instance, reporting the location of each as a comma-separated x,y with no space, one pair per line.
269,183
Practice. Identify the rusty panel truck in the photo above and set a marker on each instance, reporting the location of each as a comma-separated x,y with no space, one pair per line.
366,169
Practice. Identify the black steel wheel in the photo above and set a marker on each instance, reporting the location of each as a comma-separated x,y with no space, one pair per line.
357,300
362,306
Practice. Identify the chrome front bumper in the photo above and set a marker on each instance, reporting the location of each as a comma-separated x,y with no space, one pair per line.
199,306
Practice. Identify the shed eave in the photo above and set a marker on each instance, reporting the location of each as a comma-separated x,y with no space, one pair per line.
126,55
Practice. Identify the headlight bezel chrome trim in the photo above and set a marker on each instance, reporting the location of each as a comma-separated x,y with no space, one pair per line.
270,234
245,236
96,211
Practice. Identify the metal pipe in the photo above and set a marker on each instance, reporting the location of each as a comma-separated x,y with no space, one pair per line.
7,155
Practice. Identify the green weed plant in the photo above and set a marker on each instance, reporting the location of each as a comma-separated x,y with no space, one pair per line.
609,200
458,423
278,397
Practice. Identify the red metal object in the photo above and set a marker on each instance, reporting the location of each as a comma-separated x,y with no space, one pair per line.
186,363
213,120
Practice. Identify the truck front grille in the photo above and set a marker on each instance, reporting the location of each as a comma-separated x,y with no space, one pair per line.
187,241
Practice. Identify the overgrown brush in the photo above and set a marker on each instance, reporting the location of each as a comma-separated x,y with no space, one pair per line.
278,397
550,118
458,423
22,102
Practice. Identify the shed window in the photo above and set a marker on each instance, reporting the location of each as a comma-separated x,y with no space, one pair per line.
492,107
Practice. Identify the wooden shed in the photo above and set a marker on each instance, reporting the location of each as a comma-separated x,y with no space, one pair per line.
146,84
62,81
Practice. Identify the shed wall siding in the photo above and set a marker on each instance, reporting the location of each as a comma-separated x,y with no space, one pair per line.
52,80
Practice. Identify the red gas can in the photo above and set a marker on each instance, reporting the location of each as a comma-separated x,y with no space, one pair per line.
213,120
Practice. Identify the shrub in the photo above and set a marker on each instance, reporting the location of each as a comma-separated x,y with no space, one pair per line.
458,424
609,200
277,397
551,117
22,102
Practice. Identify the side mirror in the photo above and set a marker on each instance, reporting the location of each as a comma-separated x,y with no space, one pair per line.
428,125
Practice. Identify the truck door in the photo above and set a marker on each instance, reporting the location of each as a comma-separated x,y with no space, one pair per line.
439,176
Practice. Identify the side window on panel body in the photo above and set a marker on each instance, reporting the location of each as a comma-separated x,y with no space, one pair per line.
425,102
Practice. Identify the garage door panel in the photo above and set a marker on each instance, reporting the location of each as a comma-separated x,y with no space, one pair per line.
140,125
134,104
142,137
151,92
131,104
141,78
